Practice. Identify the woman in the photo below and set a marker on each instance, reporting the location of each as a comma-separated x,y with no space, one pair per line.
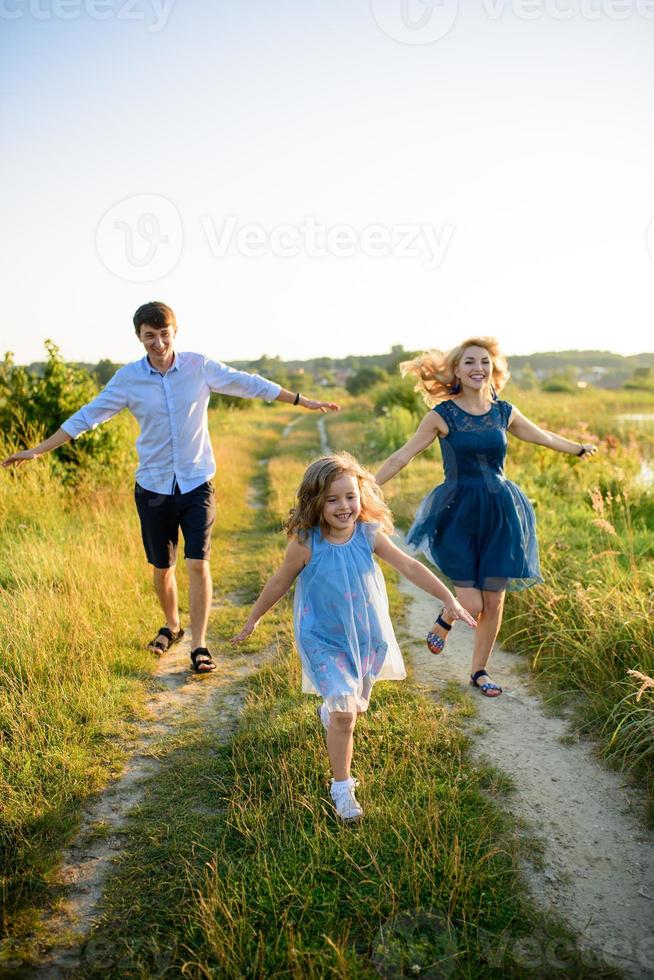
477,527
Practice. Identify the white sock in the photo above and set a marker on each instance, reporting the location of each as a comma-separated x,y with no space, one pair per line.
336,783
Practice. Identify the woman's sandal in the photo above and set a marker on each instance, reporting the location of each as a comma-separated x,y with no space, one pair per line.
485,688
435,642
158,647
201,661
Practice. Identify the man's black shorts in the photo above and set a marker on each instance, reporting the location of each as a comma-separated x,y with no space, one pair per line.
162,515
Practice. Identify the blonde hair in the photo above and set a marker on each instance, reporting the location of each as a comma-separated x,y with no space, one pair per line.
435,369
314,489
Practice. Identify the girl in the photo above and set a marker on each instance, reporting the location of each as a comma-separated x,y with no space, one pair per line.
477,527
342,626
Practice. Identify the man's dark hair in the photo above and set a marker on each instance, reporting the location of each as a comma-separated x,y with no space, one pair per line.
156,315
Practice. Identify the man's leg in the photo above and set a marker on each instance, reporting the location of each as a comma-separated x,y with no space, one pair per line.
165,585
197,512
159,530
200,592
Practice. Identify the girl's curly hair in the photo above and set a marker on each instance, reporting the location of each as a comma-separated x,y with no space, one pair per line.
314,489
435,369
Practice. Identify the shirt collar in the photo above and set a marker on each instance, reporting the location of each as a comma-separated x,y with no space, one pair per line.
150,370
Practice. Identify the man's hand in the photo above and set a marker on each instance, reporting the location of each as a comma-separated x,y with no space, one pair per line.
22,457
315,406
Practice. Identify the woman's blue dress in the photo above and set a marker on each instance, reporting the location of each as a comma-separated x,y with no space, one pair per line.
343,630
477,527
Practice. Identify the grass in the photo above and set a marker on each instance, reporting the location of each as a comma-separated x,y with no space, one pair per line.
250,875
233,864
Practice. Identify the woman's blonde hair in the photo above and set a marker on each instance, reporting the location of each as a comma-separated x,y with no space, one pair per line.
314,489
435,369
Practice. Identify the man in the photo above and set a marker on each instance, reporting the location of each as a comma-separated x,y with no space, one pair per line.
168,393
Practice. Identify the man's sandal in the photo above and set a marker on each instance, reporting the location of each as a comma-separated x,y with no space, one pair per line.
201,661
435,642
158,645
485,688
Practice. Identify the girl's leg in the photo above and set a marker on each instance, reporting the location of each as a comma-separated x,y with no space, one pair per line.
488,626
340,740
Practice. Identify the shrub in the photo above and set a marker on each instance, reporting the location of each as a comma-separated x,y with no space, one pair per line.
34,406
365,378
399,393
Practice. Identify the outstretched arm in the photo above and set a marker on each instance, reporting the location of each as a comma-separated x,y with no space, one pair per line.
290,398
57,439
431,426
111,400
296,557
416,572
528,431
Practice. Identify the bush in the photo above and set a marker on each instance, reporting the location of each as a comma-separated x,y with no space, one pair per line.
365,378
34,406
392,430
399,393
560,385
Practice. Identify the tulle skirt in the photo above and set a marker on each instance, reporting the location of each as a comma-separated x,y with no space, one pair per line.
480,533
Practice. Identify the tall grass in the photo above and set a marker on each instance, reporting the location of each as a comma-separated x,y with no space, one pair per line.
249,873
75,607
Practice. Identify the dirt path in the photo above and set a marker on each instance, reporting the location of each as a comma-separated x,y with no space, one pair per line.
598,866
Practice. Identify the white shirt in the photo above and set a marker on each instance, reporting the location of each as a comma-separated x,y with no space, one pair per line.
171,409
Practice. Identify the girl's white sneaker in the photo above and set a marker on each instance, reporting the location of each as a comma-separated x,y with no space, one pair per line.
345,802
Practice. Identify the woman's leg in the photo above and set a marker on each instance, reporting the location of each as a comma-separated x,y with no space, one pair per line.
488,626
471,600
340,740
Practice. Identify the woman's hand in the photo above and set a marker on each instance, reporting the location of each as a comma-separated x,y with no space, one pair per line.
249,628
588,450
453,610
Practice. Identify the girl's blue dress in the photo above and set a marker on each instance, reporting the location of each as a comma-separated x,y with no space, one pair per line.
477,527
343,629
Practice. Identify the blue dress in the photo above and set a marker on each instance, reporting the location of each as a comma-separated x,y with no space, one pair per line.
477,527
343,629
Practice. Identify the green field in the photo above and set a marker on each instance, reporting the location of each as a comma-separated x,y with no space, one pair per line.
265,883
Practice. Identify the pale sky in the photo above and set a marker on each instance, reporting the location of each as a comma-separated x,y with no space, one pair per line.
307,178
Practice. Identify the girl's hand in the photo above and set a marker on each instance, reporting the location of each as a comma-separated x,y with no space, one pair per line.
454,610
245,632
588,450
314,405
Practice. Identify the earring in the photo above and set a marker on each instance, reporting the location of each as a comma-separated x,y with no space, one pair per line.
493,392
455,388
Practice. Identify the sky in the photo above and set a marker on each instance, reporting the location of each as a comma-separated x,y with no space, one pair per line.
307,178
